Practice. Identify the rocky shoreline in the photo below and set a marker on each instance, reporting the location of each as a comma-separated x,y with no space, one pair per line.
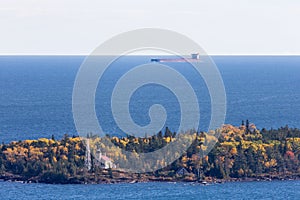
142,178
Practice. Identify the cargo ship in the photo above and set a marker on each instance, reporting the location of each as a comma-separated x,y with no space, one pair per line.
195,57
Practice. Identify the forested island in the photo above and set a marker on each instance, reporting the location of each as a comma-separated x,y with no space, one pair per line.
240,153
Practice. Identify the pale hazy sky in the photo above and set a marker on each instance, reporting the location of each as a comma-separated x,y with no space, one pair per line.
219,26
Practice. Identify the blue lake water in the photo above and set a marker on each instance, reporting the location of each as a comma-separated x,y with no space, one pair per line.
36,93
36,101
236,190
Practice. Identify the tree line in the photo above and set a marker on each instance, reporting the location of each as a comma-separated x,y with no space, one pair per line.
238,152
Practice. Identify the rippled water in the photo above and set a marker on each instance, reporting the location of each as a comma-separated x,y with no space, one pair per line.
36,94
237,190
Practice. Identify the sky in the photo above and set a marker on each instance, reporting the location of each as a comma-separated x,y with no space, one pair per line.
221,27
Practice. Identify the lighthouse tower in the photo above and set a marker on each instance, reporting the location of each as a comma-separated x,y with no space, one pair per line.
88,161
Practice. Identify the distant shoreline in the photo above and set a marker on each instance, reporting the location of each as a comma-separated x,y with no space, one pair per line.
241,153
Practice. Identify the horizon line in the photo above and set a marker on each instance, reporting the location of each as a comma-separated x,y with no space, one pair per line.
149,55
